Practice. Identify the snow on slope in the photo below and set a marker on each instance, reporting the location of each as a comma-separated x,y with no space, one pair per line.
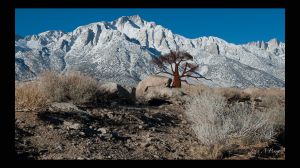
121,50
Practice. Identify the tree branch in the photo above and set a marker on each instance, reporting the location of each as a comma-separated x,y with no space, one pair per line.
184,71
163,72
196,77
172,67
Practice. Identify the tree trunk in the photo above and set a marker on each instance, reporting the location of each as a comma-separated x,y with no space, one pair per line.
176,78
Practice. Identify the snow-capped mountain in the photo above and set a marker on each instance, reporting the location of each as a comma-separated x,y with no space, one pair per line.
121,50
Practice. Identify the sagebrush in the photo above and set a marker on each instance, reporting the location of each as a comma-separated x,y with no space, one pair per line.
29,96
73,86
53,87
214,121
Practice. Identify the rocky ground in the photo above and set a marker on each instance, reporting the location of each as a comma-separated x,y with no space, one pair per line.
160,131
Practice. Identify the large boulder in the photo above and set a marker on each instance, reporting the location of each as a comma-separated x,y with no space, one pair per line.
150,81
157,87
113,92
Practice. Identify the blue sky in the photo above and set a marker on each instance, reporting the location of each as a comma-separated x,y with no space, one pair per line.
233,25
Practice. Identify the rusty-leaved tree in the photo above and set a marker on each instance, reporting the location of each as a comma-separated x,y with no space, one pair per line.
180,66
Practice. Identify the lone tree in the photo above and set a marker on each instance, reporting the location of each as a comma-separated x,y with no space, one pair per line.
179,65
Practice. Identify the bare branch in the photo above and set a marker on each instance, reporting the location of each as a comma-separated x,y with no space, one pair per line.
164,72
196,77
172,67
185,81
184,70
192,69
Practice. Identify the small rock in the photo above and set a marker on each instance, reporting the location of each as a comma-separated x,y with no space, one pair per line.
148,139
133,138
109,115
140,126
50,126
102,130
175,140
156,156
81,133
184,122
59,147
69,125
147,115
145,144
91,127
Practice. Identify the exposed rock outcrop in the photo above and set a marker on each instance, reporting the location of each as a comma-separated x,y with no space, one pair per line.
156,87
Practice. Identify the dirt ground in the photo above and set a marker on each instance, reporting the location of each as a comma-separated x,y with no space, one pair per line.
120,132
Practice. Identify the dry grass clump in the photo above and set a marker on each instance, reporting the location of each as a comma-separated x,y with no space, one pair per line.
73,86
29,96
216,122
53,87
258,92
194,89
271,101
80,88
224,117
232,94
206,152
272,97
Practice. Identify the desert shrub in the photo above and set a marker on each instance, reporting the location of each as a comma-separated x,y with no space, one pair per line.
269,101
204,111
248,125
215,122
73,86
80,88
29,96
53,87
276,115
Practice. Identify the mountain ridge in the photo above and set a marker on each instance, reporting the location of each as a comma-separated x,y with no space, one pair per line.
130,42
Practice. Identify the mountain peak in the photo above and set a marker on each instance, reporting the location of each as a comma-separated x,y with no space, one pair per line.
273,42
135,18
52,33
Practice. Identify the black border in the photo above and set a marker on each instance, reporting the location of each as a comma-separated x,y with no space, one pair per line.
8,34
152,3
